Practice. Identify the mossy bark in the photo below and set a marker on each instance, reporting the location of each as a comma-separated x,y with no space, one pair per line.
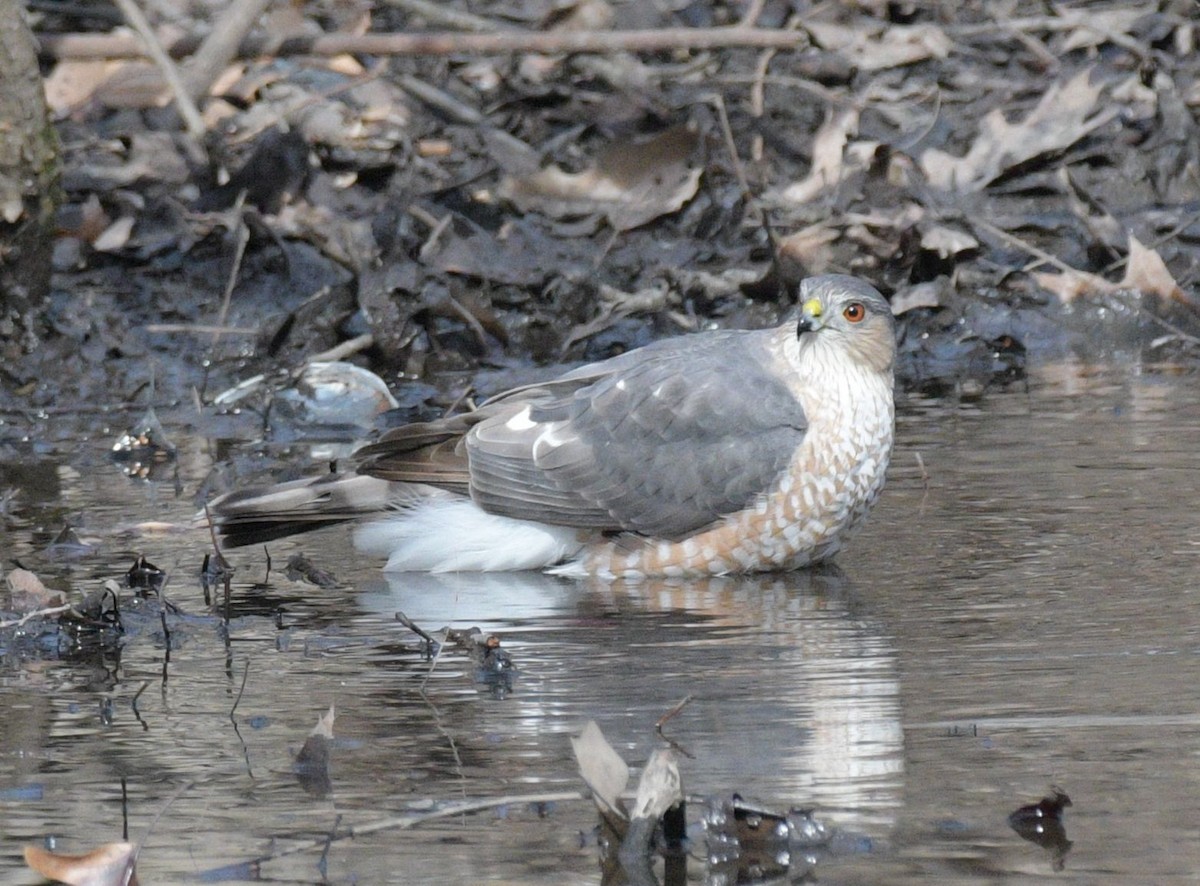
30,166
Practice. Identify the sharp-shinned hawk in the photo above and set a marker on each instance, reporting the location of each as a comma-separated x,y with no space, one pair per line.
720,452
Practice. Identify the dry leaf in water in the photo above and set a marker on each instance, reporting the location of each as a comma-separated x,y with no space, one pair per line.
312,763
27,593
631,183
110,865
1060,119
660,786
601,767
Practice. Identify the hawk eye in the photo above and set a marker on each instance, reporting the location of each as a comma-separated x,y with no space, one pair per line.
854,312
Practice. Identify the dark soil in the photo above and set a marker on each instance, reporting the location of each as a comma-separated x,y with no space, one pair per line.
419,200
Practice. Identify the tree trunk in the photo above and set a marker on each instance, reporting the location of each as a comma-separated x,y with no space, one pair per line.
29,177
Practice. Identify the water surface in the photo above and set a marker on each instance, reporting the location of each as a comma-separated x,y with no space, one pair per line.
1021,611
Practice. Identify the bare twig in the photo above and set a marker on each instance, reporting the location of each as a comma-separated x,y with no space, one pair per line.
200,329
241,689
672,713
445,16
445,43
37,613
757,100
220,47
183,100
404,822
345,349
242,237
753,11
1040,254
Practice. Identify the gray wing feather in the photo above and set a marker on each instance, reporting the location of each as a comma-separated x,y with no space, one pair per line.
661,441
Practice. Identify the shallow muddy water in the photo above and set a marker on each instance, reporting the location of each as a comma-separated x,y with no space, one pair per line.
1028,616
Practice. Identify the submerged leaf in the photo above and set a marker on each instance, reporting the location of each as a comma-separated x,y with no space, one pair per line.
109,865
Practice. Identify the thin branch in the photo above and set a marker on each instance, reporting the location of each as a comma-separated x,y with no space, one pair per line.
151,47
241,689
447,17
345,349
242,237
37,613
433,43
220,47
404,822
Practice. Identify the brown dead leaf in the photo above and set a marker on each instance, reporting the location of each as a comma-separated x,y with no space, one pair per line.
947,242
1146,272
74,81
1095,27
660,786
110,865
810,247
601,767
1060,119
922,295
312,763
115,236
631,183
1072,284
133,84
27,593
877,47
828,156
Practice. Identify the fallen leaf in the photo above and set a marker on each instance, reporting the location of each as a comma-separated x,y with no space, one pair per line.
110,865
881,47
74,81
660,786
922,295
828,156
947,242
133,84
1094,27
1146,272
115,236
601,767
810,247
1060,119
27,593
631,183
1072,284
312,763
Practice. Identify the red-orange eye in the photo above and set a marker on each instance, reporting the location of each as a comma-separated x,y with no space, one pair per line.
854,312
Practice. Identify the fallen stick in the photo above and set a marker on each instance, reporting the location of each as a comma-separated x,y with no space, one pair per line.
404,822
78,46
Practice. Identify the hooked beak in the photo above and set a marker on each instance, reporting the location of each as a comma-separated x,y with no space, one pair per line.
810,316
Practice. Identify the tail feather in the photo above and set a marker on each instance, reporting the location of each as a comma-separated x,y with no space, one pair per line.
418,528
268,513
